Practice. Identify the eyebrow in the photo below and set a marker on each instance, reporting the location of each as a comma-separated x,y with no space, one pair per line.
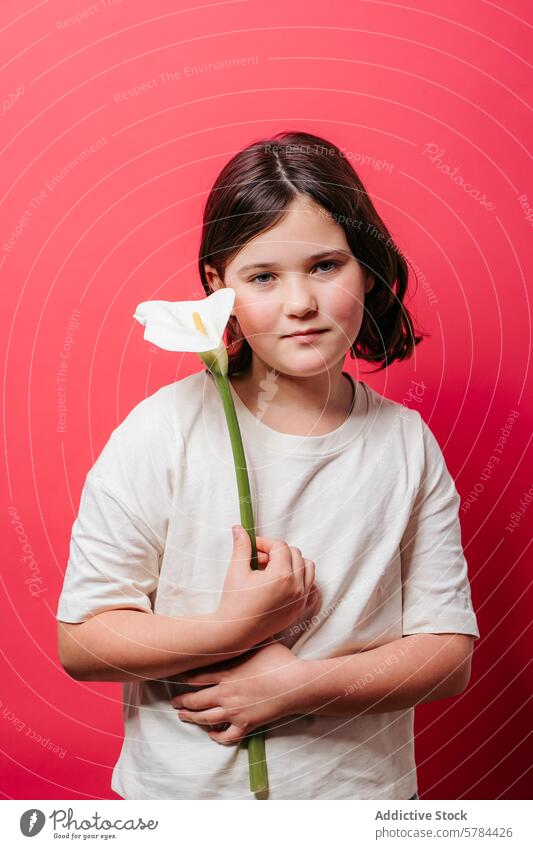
320,255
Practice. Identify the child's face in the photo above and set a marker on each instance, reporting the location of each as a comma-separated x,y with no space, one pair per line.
298,292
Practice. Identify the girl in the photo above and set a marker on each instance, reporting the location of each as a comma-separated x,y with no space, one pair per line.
356,481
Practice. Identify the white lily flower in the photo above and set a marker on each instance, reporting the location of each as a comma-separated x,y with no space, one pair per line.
196,326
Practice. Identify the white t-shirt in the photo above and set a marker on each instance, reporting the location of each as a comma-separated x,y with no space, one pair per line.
372,503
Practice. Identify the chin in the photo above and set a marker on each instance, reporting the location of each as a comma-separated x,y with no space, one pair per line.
305,366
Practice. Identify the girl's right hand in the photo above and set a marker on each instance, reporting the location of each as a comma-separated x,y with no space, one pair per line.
266,600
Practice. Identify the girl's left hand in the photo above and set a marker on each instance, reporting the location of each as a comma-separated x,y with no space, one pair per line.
246,692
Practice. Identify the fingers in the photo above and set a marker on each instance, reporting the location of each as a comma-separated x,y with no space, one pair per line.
201,700
230,735
269,545
264,547
265,543
279,553
309,575
287,557
201,677
214,716
262,558
303,569
313,601
224,732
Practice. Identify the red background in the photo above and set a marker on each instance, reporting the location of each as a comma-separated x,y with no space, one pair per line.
379,79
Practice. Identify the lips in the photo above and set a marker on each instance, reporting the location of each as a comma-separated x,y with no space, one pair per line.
306,332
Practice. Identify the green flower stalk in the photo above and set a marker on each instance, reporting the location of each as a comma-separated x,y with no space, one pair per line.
199,326
217,363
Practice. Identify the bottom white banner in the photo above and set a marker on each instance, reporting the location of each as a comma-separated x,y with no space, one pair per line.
237,824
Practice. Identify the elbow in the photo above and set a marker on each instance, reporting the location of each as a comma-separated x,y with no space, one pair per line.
79,674
67,661
70,650
461,677
453,677
63,660
70,669
73,674
465,681
460,664
81,669
459,685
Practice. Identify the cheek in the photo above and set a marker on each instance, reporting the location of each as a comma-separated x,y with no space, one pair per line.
345,306
257,319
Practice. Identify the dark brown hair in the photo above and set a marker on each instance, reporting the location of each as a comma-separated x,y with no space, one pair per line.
252,193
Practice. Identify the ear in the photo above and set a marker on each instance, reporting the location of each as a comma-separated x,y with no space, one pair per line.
213,279
369,282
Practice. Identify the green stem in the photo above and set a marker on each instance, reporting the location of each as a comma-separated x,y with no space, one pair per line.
257,765
243,484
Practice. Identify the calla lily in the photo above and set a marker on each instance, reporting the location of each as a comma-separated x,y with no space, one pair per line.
198,326
174,325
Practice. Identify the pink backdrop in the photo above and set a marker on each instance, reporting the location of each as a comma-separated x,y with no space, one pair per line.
113,129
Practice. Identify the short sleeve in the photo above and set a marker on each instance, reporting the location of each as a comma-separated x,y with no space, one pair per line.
436,594
118,538
113,558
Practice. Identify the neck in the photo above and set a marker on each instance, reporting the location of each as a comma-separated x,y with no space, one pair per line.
321,401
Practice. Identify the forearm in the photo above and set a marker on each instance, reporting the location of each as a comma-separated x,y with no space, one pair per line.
409,671
129,645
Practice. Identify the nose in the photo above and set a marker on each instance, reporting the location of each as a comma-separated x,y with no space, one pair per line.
298,295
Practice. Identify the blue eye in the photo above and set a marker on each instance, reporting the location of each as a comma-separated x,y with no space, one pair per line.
256,279
331,262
